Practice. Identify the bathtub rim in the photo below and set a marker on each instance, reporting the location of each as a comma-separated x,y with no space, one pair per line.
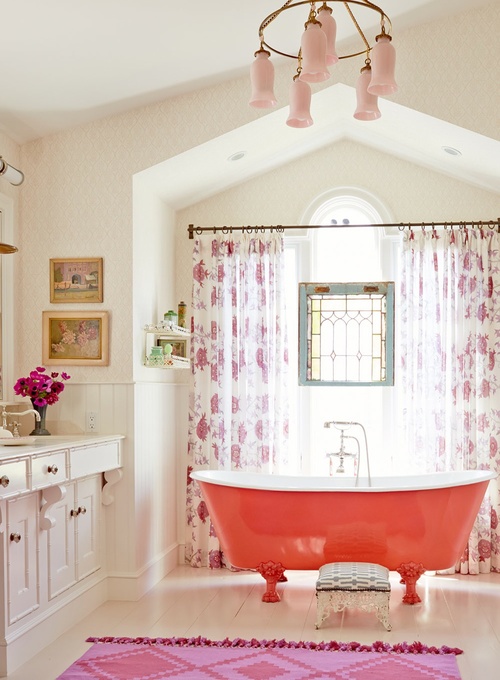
302,483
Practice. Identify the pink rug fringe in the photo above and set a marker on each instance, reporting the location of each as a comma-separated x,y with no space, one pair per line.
333,646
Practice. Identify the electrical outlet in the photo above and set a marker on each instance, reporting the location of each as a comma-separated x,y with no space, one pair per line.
92,422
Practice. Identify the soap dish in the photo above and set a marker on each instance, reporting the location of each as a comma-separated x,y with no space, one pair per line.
16,441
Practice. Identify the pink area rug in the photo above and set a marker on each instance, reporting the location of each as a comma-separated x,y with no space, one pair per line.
202,659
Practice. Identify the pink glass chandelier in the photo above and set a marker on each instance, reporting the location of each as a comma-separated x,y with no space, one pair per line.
317,52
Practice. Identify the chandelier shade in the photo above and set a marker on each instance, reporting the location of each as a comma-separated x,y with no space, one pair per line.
317,51
313,51
329,26
300,104
366,103
383,66
262,79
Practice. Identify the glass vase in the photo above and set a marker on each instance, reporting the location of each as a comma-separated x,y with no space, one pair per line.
40,429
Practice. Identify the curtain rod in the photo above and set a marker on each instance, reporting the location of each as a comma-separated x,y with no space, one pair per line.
491,224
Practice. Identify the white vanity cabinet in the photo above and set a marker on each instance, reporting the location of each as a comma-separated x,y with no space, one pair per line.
53,496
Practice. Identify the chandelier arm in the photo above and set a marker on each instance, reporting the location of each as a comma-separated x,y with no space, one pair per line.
383,16
358,27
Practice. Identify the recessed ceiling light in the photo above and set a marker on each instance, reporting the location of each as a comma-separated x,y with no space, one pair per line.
451,150
237,156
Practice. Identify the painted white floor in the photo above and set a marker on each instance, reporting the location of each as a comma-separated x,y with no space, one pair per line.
459,611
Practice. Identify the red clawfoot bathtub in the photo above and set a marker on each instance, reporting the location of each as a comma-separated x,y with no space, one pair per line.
408,524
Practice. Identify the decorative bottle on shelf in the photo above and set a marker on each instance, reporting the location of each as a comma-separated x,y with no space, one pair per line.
181,309
155,356
168,354
170,318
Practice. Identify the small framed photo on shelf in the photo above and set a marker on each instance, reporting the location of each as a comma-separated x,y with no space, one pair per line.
75,338
179,347
77,279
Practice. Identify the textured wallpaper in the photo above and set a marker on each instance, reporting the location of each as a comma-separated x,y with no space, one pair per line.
77,199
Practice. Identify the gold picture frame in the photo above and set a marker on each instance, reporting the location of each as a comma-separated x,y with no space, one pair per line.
179,347
77,279
75,338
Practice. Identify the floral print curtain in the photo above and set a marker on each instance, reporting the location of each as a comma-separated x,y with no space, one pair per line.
238,410
450,342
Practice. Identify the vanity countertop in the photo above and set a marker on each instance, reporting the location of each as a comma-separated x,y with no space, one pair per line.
34,445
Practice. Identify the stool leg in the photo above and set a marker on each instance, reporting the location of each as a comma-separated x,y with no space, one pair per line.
322,608
382,612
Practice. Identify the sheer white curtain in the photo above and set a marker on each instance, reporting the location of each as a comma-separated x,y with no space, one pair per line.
238,412
450,348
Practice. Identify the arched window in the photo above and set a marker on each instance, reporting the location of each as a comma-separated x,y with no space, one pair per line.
342,256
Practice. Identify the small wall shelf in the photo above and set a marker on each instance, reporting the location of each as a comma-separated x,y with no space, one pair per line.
158,335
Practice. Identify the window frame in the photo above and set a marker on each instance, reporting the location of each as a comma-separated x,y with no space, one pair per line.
360,288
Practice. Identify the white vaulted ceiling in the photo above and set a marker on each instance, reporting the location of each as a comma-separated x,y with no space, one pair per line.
66,62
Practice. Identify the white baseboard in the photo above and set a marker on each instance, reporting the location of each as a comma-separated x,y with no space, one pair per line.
134,586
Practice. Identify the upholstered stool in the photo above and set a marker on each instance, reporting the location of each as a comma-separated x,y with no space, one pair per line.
353,584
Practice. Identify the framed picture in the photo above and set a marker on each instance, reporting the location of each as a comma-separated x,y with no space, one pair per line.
76,338
76,280
179,347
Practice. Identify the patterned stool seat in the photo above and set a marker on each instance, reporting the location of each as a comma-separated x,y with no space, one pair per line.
353,584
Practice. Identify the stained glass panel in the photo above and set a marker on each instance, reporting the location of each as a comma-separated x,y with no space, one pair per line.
346,333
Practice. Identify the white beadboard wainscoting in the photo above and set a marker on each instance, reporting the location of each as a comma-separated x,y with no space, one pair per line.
145,524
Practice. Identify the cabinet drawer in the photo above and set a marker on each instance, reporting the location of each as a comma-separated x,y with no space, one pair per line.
87,460
13,478
48,469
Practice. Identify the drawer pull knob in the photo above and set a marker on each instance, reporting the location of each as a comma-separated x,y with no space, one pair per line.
4,481
15,537
82,510
74,513
53,468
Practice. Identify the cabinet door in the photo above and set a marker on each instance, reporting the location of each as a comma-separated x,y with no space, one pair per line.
22,568
61,544
88,499
73,543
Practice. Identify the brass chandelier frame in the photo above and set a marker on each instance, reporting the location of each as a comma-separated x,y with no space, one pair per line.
289,4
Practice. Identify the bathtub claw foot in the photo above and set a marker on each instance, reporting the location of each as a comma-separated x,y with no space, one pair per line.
272,572
410,572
